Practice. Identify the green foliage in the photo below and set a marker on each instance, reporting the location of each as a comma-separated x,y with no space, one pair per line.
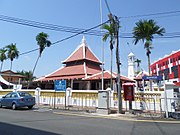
27,74
110,34
42,41
12,51
144,31
3,54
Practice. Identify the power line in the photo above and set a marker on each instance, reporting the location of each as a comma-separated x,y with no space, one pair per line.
69,37
78,30
46,25
107,6
71,29
153,14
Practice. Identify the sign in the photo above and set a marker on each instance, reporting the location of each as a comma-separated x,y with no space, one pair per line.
60,85
128,92
159,78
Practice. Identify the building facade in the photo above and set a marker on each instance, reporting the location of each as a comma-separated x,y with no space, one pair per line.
168,66
81,70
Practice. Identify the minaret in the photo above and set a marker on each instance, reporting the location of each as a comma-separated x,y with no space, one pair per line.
131,65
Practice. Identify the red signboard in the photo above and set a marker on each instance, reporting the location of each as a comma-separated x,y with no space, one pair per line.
128,92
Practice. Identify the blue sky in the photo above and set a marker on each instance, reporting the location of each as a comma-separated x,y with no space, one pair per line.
83,14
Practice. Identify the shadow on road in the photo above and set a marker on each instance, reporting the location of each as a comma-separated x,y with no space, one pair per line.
9,129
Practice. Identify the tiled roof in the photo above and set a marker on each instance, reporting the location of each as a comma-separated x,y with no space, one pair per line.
107,75
140,75
71,70
82,53
64,77
80,64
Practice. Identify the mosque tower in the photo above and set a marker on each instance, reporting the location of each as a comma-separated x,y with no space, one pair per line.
131,65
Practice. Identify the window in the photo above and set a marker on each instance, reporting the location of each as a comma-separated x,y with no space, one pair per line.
24,94
166,74
14,95
175,71
171,60
8,95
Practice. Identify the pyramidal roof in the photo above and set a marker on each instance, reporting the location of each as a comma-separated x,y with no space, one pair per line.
83,52
74,69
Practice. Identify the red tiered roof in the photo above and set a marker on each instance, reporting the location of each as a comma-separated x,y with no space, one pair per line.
82,53
80,64
107,75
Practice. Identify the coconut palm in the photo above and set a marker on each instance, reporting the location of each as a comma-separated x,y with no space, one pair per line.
2,56
42,42
109,34
113,34
144,31
138,61
12,53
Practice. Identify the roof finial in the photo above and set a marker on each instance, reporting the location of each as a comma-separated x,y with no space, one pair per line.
83,41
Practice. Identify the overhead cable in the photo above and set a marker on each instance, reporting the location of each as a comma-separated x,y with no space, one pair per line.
81,32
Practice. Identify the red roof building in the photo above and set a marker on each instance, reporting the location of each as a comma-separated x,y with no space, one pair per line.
80,64
169,66
81,68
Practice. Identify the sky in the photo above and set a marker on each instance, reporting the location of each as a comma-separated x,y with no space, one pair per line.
84,14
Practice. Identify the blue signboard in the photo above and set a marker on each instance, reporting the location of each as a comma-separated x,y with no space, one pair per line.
159,78
60,85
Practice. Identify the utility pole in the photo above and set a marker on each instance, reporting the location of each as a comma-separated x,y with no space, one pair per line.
115,21
102,80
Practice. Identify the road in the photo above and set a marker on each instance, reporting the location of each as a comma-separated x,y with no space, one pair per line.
30,122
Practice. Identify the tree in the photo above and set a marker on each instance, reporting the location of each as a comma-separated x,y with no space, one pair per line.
109,34
42,42
144,31
113,33
138,61
2,56
12,52
28,77
27,74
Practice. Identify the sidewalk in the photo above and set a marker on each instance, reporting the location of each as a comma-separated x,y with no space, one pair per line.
143,117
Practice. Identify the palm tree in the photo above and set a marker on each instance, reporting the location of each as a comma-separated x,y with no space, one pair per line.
42,42
145,31
12,52
2,56
28,77
110,34
27,74
138,61
113,33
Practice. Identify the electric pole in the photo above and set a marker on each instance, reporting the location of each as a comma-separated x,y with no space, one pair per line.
115,23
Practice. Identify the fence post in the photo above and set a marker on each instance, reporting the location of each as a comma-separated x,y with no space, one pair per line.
154,106
68,94
37,95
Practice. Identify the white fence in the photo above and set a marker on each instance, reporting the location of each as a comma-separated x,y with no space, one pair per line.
150,101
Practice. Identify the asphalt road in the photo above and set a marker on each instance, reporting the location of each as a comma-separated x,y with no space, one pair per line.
30,122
